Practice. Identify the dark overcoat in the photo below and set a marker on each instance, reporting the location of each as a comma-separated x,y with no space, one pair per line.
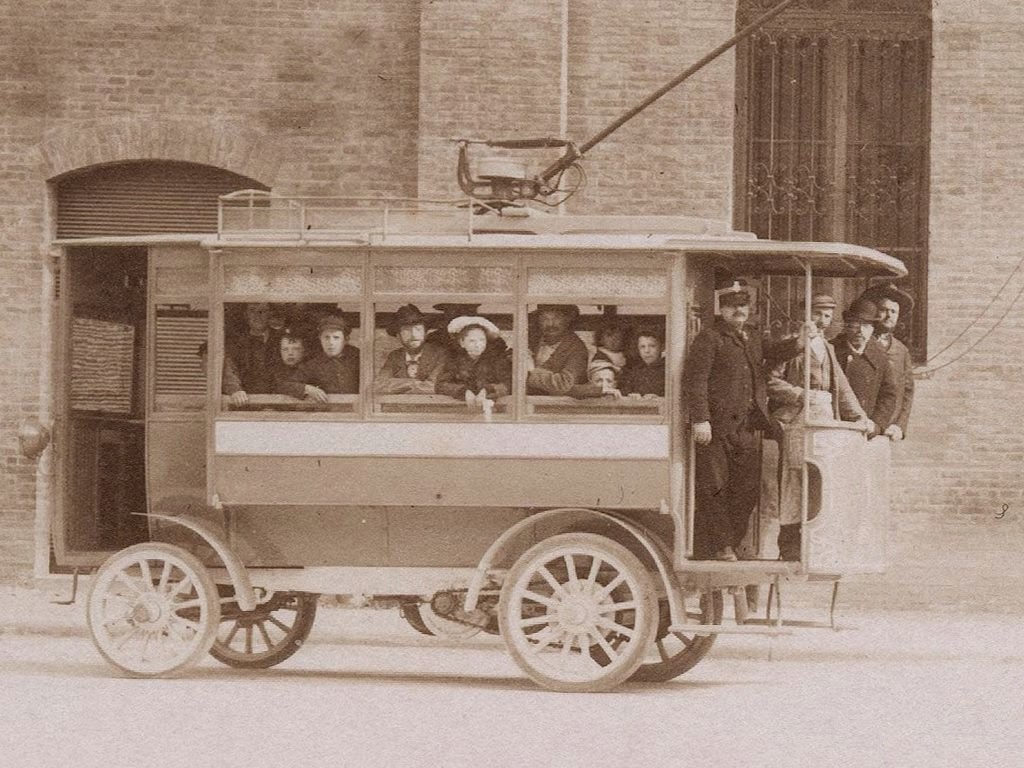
724,379
334,375
872,379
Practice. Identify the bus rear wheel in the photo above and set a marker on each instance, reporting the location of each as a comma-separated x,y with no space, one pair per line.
578,611
674,653
266,635
153,610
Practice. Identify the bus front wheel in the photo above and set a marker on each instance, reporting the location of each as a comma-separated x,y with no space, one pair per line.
153,610
578,612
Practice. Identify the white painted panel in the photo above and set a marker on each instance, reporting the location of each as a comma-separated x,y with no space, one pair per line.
566,441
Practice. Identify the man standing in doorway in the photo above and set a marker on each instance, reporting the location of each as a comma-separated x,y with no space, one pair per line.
724,389
866,365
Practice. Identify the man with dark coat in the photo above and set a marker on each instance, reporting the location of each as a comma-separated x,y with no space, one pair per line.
724,390
250,357
558,357
335,371
894,304
413,368
866,365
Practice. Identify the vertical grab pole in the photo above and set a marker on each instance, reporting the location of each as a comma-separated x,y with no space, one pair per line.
804,474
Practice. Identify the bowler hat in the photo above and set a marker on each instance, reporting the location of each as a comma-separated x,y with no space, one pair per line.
332,323
862,309
892,292
408,314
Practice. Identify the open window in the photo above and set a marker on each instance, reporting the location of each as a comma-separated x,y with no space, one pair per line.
454,359
291,331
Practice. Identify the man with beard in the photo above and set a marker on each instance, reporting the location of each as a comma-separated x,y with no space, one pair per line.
413,368
724,390
894,304
558,357
866,365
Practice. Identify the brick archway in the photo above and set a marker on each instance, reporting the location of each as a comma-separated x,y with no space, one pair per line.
230,145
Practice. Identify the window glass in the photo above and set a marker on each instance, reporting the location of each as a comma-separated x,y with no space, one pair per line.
291,356
596,359
449,359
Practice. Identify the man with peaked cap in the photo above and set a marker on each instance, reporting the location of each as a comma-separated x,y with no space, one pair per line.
335,371
893,304
866,364
413,368
724,390
558,357
831,397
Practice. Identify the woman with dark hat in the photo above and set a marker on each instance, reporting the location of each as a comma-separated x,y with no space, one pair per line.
893,305
414,367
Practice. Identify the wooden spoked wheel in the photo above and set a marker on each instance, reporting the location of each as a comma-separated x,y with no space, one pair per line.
578,612
674,653
266,635
153,610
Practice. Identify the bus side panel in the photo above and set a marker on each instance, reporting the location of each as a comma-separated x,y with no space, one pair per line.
417,481
366,536
177,466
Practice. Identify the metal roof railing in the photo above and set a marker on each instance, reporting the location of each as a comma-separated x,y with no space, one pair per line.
252,214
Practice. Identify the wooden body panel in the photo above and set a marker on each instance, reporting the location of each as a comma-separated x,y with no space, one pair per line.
461,482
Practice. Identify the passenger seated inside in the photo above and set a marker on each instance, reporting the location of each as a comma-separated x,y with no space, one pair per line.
601,375
558,357
414,367
335,371
611,344
249,356
287,371
644,375
481,370
439,336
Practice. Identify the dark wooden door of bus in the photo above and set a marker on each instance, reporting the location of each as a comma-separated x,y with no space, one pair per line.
101,404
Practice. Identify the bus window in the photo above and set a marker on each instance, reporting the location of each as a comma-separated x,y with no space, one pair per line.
605,360
452,359
291,356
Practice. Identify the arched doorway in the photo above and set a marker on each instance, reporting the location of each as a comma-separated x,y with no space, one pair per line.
132,314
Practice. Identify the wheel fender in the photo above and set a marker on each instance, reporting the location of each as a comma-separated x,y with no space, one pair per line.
502,546
244,594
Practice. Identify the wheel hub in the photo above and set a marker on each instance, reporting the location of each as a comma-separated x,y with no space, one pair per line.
576,613
149,612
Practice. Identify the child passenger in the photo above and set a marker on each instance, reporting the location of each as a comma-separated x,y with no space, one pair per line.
481,368
611,341
601,376
645,375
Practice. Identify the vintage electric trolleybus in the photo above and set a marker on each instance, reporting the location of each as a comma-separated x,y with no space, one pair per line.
562,522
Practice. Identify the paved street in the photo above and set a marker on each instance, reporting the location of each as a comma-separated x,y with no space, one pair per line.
902,689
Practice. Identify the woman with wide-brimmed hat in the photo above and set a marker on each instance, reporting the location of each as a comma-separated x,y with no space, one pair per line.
481,369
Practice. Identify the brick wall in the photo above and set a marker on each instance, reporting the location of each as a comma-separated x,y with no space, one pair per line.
964,456
492,69
312,98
